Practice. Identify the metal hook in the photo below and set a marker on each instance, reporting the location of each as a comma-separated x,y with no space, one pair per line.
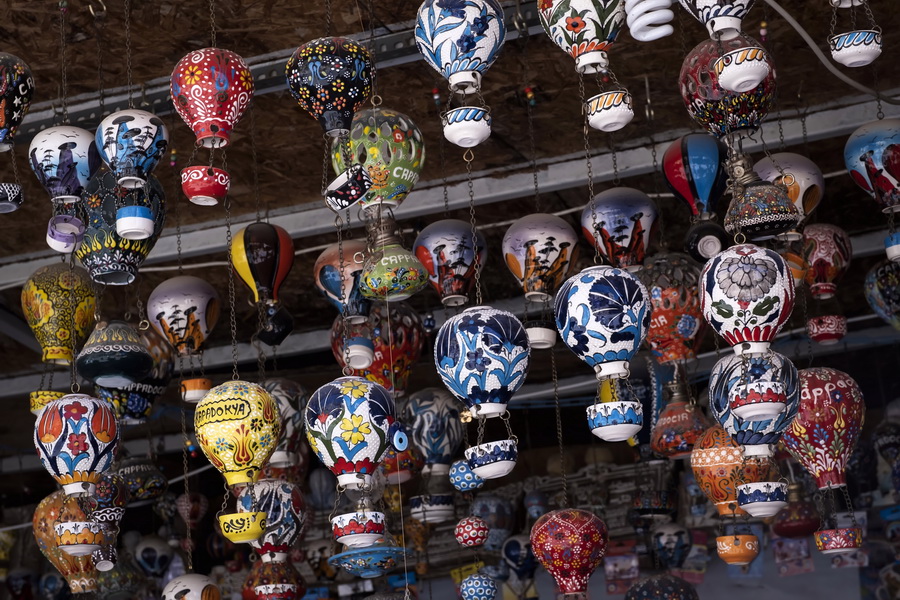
99,13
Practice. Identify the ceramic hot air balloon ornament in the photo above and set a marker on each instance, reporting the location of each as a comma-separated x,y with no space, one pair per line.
78,571
114,355
619,223
803,179
446,250
435,428
390,271
872,156
540,250
76,438
584,29
284,507
211,88
184,310
336,274
759,210
58,303
64,159
827,251
882,289
721,19
569,543
16,91
291,399
747,296
191,586
131,142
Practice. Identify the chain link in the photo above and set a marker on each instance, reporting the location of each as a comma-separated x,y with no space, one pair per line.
212,23
590,168
529,110
559,434
326,159
129,79
615,160
187,485
73,305
833,22
329,19
232,318
260,354
469,156
64,81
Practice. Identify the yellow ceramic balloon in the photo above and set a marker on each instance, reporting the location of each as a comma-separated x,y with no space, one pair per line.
237,425
58,303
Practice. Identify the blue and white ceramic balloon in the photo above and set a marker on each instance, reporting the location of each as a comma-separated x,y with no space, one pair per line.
437,432
519,557
463,478
132,142
603,315
671,544
477,587
460,39
322,484
730,377
63,159
282,502
482,356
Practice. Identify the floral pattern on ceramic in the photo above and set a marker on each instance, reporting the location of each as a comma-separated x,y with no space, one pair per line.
482,356
882,290
856,48
540,250
114,355
146,483
445,249
16,91
802,177
237,426
719,466
370,562
763,499
747,296
671,544
762,211
827,329
677,319
737,549
471,532
720,18
602,315
460,39
584,29
662,587
827,250
64,159
391,272
58,304
291,398
619,223
78,571
400,466
615,421
131,142
694,169
79,538
491,460
211,88
836,541
112,496
715,109
432,508
435,428
192,586
463,478
828,424
872,156
358,529
678,427
184,310
283,504
76,438
349,424
275,581
569,543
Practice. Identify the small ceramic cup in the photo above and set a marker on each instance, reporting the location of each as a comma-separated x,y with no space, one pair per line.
615,421
205,186
134,222
856,48
359,528
360,352
243,527
348,188
467,126
11,197
610,111
892,247
836,541
105,558
762,499
737,549
541,335
194,390
741,70
41,398
758,400
78,538
493,459
64,233
432,508
827,329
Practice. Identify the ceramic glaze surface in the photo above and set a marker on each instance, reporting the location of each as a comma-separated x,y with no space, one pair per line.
828,424
273,581
662,587
833,541
283,504
437,432
798,519
132,142
58,304
64,159
237,426
445,249
373,561
192,586
482,356
747,294
262,256
471,532
211,88
134,401
882,289
114,355
802,178
872,155
619,222
343,291
719,15
348,422
76,438
827,329
540,250
603,315
694,169
460,36
677,320
827,250
144,479
737,549
184,310
78,571
16,91
112,496
291,398
330,78
391,272
569,543
761,212
677,428
583,28
478,587
463,478
391,148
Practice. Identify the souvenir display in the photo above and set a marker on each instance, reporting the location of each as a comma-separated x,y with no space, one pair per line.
672,281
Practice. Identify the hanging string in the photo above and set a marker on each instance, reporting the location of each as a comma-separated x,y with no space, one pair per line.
64,79
128,74
469,156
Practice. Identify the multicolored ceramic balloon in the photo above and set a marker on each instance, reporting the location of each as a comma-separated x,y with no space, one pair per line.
343,290
349,423
660,587
460,40
882,289
132,142
436,431
872,156
694,169
262,256
391,148
237,425
569,543
747,296
584,29
16,90
619,223
114,355
677,320
331,78
283,504
58,303
827,250
831,416
482,357
210,89
540,251
603,315
76,438
445,248
78,570
64,159
802,178
184,310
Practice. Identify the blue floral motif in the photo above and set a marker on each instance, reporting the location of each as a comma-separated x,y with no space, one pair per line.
477,360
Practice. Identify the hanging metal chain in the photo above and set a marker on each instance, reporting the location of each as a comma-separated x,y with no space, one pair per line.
231,308
342,266
176,208
73,305
868,10
64,78
443,142
187,486
99,21
326,161
590,168
615,160
849,504
260,354
559,435
804,312
469,156
375,98
212,23
329,19
833,23
781,144
529,110
128,74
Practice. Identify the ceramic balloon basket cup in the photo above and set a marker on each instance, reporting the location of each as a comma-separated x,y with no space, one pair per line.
615,421
836,541
467,126
758,400
79,538
193,390
205,186
492,460
742,70
64,233
432,508
134,222
358,529
241,528
610,111
762,499
892,247
856,48
737,549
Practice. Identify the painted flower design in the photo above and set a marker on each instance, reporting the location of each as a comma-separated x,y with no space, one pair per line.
75,411
466,43
77,443
192,75
477,360
354,389
480,25
454,8
354,429
575,24
246,79
746,278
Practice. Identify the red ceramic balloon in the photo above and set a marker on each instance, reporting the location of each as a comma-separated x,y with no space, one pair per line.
824,433
827,251
211,88
569,543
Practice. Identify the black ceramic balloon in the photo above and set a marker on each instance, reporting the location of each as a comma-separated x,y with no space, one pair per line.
114,355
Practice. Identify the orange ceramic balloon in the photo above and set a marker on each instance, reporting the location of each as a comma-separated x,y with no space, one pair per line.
78,570
719,467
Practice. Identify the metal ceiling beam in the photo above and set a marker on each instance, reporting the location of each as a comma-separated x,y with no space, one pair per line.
634,158
13,327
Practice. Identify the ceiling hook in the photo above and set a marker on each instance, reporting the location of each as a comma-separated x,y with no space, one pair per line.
97,13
